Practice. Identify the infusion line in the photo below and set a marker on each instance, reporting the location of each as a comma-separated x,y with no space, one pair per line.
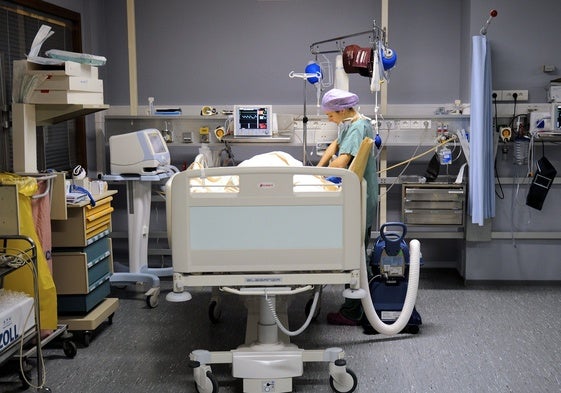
452,138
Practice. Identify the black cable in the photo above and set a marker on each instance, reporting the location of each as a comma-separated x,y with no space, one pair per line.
230,156
502,193
496,114
514,96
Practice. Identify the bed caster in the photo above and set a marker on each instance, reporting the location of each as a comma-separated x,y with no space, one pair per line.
205,381
214,311
342,379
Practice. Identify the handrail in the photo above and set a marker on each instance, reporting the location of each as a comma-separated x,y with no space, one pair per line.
48,177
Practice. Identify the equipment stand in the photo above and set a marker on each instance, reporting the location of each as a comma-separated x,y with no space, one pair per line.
139,198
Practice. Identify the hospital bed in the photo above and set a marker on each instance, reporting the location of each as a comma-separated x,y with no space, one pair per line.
294,232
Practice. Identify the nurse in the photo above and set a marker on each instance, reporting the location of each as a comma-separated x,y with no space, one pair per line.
339,106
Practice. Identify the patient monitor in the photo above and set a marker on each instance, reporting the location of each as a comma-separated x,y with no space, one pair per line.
141,152
253,121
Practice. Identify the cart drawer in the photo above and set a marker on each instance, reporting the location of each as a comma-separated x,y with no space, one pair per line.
75,271
433,194
434,217
81,304
84,225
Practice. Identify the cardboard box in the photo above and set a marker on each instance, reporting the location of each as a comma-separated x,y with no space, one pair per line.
72,83
15,309
65,97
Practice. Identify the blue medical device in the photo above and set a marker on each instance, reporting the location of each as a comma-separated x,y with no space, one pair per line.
390,264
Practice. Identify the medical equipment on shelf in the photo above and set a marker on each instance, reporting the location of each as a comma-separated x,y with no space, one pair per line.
521,150
141,152
253,121
295,232
389,263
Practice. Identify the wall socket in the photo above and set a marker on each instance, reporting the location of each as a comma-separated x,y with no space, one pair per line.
521,95
508,95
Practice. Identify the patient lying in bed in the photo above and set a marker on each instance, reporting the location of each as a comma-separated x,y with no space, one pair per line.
272,159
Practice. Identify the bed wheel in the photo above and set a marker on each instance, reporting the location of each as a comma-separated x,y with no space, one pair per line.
347,384
211,384
214,311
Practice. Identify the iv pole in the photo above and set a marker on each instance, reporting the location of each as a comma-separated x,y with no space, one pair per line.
377,34
305,77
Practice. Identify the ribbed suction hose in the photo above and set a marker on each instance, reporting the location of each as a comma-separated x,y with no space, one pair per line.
399,324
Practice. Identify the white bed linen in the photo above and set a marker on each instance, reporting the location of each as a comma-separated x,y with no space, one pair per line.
302,183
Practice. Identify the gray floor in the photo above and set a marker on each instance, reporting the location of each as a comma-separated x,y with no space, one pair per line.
476,338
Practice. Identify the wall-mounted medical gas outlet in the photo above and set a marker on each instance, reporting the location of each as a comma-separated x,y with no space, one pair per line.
508,95
505,133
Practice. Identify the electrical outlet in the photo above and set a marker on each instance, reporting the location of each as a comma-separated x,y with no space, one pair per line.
521,95
497,95
416,124
387,125
404,124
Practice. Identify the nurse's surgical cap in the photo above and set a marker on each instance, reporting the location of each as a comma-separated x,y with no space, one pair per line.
337,99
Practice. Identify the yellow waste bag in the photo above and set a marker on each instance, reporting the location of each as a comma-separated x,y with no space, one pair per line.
22,279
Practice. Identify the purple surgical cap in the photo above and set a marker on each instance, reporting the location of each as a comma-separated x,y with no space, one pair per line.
337,99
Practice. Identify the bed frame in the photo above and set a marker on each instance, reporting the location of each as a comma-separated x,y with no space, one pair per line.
268,233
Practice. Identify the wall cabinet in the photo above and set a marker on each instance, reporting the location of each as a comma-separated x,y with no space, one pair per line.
432,204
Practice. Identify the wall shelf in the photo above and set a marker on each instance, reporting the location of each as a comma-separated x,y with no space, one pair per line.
48,114
26,118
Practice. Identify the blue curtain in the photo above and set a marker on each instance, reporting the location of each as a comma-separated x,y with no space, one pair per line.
481,201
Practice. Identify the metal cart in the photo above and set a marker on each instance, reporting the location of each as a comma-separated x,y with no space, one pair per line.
33,335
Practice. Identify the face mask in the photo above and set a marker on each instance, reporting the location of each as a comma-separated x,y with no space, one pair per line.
344,125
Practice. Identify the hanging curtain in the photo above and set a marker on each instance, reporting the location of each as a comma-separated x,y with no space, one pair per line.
481,201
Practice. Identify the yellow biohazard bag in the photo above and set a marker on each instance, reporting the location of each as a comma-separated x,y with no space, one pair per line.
22,279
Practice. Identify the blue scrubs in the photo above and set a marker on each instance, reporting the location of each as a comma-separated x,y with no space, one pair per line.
349,140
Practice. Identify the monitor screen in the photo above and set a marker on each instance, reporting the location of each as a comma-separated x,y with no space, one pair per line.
253,120
157,142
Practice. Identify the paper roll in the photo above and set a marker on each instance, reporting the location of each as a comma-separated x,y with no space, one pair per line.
341,77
